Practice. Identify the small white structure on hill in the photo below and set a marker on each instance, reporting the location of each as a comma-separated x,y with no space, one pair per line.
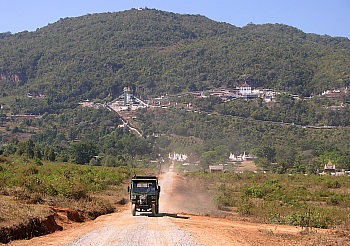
232,157
177,157
242,157
329,168
245,89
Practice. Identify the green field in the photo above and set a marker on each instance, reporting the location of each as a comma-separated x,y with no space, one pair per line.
301,200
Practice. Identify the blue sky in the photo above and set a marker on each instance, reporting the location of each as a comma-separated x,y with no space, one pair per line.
330,17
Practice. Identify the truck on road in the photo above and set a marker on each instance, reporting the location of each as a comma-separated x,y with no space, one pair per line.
144,194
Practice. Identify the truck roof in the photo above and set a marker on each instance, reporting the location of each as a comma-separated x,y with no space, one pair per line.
144,177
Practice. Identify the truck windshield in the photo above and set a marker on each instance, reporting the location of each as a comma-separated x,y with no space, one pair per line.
143,187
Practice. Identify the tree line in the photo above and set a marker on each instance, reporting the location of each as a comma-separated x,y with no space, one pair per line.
280,148
81,136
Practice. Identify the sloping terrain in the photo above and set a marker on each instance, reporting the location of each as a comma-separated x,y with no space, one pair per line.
95,56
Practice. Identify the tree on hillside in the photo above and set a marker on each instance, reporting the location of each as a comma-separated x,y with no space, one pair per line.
82,152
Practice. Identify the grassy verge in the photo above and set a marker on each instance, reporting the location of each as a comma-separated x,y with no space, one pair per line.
307,201
31,191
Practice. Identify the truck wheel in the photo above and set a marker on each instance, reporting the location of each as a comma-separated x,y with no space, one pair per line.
133,209
157,209
153,209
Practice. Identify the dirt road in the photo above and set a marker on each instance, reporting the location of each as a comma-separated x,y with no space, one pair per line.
174,226
143,229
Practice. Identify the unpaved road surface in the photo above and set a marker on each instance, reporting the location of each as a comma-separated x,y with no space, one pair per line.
143,229
177,224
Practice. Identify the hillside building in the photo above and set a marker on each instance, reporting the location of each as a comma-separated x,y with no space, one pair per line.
245,89
329,167
127,95
216,169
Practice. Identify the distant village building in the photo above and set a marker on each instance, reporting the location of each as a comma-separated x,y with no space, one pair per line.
177,157
232,157
246,92
333,93
329,167
242,157
245,89
127,95
216,169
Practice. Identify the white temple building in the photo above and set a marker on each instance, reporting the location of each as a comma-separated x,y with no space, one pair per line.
177,157
242,157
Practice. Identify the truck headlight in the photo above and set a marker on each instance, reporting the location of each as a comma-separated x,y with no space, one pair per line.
133,197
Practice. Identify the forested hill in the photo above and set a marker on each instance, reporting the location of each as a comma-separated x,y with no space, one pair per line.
95,56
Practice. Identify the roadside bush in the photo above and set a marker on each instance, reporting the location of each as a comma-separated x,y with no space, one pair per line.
245,206
50,190
309,201
30,170
334,184
337,199
3,159
38,162
255,191
333,201
225,197
312,217
29,198
271,188
77,192
32,184
61,180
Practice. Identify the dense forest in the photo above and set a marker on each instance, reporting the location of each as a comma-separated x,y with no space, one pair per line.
47,72
95,56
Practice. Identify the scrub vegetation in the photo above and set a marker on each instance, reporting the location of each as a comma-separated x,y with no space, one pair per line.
310,201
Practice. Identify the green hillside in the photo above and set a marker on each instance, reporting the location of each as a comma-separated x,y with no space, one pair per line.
57,152
155,52
95,56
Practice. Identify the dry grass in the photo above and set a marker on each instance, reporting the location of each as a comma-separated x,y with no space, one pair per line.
14,212
87,191
247,166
